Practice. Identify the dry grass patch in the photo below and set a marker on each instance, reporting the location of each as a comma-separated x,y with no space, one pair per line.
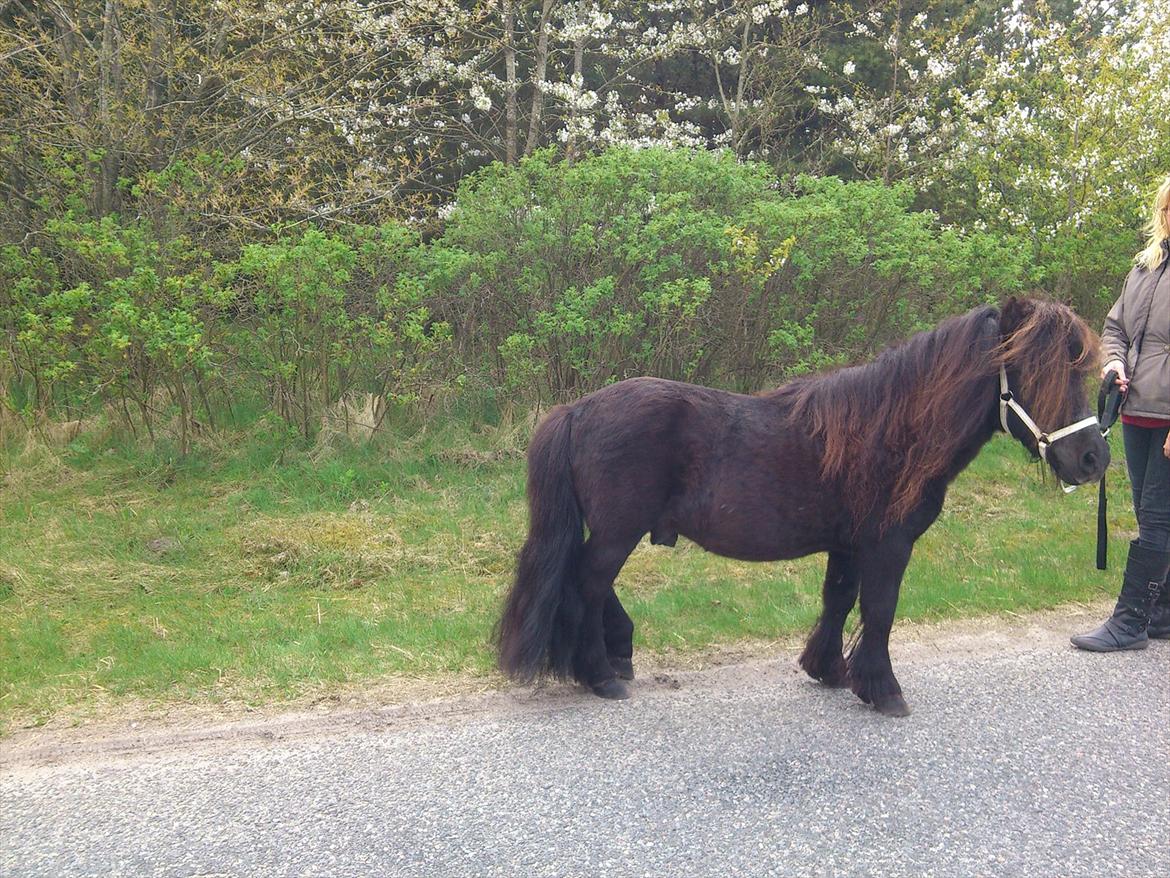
109,577
12,581
471,458
341,550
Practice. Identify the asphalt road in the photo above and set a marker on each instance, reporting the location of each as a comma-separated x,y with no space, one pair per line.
1022,757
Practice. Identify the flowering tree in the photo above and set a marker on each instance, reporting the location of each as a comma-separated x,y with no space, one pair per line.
586,74
1049,125
221,117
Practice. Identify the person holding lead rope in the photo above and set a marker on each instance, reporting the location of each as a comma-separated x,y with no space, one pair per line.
1136,345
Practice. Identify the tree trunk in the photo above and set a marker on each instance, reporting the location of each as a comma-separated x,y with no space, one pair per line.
893,93
737,132
510,123
111,88
578,81
156,85
534,117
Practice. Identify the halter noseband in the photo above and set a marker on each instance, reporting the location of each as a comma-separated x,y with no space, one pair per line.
1043,440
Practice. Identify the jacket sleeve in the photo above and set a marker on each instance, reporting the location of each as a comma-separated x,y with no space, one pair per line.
1114,338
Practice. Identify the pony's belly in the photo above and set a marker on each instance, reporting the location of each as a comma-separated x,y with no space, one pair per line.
756,537
745,551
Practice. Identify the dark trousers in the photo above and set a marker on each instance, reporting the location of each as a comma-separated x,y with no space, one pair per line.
1149,475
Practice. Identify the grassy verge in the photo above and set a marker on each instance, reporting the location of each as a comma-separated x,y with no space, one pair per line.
259,574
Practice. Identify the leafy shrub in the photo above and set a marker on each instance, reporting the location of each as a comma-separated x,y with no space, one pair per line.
562,276
293,290
328,316
110,317
559,277
550,279
865,270
106,314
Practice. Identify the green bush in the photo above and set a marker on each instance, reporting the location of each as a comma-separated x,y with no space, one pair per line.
403,351
293,290
550,278
323,316
865,271
559,277
104,314
110,318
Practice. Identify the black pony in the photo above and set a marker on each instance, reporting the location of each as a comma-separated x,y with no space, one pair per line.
855,463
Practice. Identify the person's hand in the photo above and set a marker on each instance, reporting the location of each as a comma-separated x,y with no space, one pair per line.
1166,446
1118,367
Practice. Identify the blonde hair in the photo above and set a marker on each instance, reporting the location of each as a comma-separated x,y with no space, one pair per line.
1151,256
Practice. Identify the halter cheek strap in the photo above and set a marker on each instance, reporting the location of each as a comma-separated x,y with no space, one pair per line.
1043,440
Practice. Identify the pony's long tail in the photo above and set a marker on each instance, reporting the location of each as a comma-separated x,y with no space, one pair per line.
538,631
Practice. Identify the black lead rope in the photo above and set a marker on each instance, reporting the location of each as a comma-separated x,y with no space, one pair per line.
1109,399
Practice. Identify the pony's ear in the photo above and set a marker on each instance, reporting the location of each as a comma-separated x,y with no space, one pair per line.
1013,314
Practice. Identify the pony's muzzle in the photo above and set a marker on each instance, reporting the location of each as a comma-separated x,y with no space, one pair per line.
1079,458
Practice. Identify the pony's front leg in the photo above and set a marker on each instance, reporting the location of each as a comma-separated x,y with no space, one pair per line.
822,659
871,677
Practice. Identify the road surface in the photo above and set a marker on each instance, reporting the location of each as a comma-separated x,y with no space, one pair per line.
1022,757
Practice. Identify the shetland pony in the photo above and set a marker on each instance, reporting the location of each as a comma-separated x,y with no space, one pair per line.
854,463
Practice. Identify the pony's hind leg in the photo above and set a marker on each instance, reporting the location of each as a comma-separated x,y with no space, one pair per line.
822,659
601,560
619,636
871,676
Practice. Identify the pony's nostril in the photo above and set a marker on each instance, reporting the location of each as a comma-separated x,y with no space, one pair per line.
1095,462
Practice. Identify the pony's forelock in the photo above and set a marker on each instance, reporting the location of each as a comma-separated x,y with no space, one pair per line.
1038,353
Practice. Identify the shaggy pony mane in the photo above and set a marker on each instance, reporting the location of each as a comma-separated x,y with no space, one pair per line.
892,425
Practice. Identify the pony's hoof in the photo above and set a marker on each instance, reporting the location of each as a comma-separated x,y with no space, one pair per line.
834,676
613,689
623,667
891,705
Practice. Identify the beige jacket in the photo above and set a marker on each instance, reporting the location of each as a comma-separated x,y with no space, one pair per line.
1142,316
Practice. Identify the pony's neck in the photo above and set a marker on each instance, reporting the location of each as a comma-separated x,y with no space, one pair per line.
915,416
969,450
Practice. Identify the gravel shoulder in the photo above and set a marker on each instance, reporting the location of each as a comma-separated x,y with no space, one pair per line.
146,732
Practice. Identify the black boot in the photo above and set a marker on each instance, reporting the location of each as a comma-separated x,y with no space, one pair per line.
1145,570
1159,627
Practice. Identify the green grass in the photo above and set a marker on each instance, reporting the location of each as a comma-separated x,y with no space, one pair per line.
290,573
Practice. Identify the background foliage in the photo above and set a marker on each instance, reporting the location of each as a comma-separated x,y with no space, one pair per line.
318,210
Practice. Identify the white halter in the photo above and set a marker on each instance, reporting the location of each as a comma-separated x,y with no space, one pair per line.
1043,440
